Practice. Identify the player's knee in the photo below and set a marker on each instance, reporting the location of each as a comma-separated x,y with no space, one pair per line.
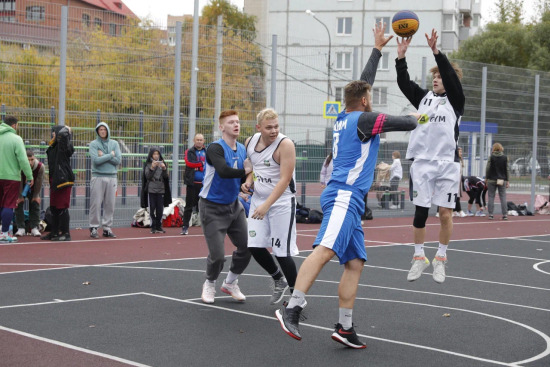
445,214
420,217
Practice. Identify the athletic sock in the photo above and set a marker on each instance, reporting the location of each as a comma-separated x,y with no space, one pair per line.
277,275
298,299
345,318
419,249
231,277
442,250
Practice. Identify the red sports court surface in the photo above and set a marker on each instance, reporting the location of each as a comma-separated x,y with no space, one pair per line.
22,342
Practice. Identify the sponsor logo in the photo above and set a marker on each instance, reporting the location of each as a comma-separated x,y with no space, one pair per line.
423,119
442,102
252,233
415,193
267,163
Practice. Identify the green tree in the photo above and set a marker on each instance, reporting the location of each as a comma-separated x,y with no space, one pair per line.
232,16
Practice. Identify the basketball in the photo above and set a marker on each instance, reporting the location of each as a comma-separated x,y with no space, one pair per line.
405,23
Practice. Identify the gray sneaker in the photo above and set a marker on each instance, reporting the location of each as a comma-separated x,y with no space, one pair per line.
420,263
279,288
439,268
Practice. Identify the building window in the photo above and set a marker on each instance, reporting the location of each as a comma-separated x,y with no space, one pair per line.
7,19
112,29
171,29
384,61
477,18
386,21
379,96
98,22
344,26
339,94
86,20
7,5
448,22
343,60
35,13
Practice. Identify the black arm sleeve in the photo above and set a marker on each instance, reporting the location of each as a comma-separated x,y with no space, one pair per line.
216,158
372,123
410,89
451,82
369,72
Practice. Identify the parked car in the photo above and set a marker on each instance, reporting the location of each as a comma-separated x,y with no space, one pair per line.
522,166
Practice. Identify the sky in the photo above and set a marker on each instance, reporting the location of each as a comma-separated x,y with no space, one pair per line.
158,10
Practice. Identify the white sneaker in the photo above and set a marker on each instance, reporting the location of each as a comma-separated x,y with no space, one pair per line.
5,237
439,268
455,214
394,207
20,232
233,290
208,292
480,213
35,232
420,263
462,214
437,214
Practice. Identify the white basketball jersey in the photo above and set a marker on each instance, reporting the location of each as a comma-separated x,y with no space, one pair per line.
435,139
267,172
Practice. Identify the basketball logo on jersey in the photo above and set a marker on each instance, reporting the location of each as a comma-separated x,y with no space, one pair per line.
267,163
415,193
442,102
252,233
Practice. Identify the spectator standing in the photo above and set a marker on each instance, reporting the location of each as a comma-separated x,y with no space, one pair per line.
61,174
221,212
105,155
497,176
33,195
13,160
326,171
195,160
156,188
396,174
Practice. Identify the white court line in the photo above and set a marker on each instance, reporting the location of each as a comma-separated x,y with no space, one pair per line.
528,239
450,276
539,356
73,347
28,264
536,267
57,301
99,240
488,253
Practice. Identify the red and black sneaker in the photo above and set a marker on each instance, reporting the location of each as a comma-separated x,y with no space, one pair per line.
347,337
289,318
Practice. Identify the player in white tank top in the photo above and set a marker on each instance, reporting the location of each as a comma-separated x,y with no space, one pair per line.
272,215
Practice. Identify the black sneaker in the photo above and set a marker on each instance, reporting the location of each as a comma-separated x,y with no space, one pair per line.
109,234
47,237
160,230
153,230
290,320
184,230
63,237
93,232
347,337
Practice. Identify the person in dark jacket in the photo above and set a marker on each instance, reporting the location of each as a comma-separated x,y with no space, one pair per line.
62,178
156,188
195,158
497,175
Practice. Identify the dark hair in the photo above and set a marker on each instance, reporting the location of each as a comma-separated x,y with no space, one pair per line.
354,91
30,153
10,120
328,159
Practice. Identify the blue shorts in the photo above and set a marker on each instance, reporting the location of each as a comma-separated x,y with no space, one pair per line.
341,229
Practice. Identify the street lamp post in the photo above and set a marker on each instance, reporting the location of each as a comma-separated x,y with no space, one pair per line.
329,91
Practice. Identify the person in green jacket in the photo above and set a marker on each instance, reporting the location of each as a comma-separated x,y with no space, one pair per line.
105,155
13,161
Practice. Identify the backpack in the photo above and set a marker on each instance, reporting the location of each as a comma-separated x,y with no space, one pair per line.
142,219
174,219
307,215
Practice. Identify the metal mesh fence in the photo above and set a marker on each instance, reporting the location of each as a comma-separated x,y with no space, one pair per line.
122,72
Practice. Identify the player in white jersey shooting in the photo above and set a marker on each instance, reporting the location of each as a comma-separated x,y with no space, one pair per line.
272,216
435,171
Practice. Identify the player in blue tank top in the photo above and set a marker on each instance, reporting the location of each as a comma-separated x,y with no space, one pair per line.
355,148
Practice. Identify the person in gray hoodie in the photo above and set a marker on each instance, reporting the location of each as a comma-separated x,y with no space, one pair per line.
105,155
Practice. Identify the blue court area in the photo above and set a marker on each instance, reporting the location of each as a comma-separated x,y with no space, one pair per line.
493,309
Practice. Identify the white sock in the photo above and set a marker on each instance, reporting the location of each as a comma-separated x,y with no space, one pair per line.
442,250
345,318
231,277
210,281
298,298
419,249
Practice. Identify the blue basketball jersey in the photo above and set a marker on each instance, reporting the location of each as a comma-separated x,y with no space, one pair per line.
354,160
223,190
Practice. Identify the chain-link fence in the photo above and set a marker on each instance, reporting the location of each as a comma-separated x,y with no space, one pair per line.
121,71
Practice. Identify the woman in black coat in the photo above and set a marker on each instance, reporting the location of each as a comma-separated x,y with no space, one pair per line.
497,177
61,178
156,188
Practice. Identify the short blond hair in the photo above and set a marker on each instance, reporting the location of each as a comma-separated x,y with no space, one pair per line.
497,147
266,114
455,66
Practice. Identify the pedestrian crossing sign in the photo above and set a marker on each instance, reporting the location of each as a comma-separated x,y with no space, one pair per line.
331,109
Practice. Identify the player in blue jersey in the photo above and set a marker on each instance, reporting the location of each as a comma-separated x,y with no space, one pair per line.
220,210
356,138
435,171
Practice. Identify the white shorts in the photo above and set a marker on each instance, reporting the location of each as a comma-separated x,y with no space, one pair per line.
278,228
435,182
